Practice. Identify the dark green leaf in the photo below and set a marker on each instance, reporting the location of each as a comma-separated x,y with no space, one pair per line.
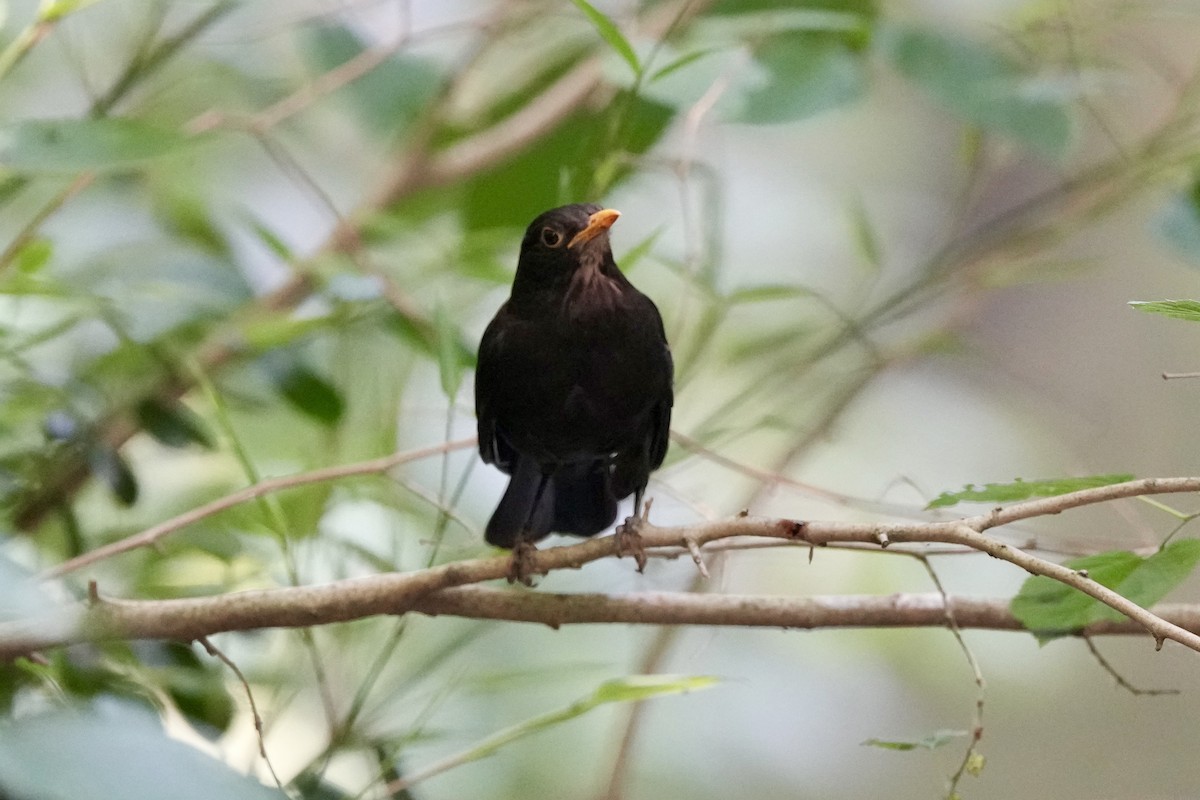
196,686
1023,490
1179,309
72,145
930,742
982,86
806,73
107,465
77,754
173,424
310,393
611,34
562,164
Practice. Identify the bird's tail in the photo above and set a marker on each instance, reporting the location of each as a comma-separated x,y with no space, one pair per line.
526,511
584,503
577,499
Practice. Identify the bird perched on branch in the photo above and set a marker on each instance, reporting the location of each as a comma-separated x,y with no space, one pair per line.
573,388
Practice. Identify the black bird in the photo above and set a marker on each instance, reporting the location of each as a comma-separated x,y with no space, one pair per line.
573,387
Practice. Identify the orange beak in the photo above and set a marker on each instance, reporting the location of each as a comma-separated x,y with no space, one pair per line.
598,223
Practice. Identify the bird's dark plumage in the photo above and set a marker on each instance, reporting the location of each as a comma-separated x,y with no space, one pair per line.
574,383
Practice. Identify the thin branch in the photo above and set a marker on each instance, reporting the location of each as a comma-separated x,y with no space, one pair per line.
1118,677
971,755
154,534
216,653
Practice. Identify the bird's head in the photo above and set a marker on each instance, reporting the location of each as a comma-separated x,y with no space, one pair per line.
565,240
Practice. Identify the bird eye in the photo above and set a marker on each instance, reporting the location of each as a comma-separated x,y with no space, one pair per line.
551,237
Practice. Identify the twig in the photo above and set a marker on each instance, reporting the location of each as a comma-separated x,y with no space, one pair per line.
1118,677
971,756
157,532
216,652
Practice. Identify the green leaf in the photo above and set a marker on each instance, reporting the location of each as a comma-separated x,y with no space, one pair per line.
727,8
54,10
982,86
185,215
930,742
311,394
34,255
1179,309
865,239
766,292
268,333
806,73
681,62
630,689
1157,575
77,754
1023,490
269,238
611,34
73,145
1049,607
173,424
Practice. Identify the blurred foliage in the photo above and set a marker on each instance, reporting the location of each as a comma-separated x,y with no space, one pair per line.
241,240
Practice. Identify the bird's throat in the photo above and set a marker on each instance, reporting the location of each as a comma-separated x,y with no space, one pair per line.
591,288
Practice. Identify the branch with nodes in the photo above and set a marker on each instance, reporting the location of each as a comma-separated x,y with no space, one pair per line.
449,589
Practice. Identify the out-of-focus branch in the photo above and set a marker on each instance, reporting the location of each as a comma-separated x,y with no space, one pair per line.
155,533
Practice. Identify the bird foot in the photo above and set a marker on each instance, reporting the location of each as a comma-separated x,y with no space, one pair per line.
629,541
521,565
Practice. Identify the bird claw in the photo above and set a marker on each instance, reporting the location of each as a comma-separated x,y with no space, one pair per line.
521,565
629,541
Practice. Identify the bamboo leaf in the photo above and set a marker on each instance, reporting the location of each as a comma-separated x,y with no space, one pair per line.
1179,309
611,34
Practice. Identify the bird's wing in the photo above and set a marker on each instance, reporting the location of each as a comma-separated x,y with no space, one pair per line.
660,430
487,377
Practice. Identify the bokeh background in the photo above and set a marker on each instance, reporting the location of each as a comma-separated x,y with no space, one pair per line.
894,246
